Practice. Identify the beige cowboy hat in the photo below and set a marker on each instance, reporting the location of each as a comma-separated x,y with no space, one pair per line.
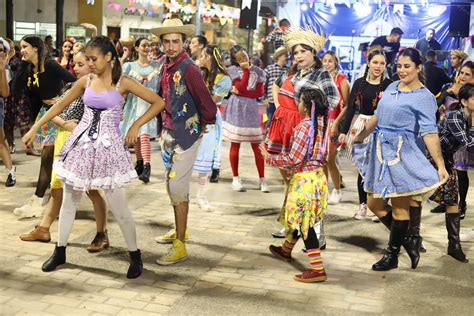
129,40
280,51
173,26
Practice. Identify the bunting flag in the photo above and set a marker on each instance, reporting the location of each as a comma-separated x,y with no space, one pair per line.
246,4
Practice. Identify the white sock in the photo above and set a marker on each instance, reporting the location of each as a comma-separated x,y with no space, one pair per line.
236,179
202,181
118,205
67,214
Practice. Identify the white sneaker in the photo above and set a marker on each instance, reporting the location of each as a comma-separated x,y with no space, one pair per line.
237,185
362,212
335,197
264,186
469,236
32,208
203,203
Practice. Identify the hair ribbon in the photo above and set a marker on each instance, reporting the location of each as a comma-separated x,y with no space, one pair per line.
217,57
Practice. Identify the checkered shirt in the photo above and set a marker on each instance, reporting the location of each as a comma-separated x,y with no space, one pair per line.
454,132
274,71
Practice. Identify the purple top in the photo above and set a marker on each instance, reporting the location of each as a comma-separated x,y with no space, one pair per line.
102,100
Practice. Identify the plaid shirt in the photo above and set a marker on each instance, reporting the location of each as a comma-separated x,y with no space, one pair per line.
297,157
274,71
313,79
454,132
275,37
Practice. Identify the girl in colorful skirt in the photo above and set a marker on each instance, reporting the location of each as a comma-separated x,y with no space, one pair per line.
307,191
43,79
67,122
241,122
209,155
145,71
95,155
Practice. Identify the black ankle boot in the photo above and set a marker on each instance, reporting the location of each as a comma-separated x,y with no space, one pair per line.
214,176
145,176
462,209
389,260
58,258
412,243
139,167
454,245
136,265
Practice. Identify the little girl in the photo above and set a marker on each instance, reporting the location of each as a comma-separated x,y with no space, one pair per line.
307,191
95,156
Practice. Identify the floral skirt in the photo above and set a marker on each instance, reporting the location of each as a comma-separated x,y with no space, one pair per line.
46,133
447,193
306,201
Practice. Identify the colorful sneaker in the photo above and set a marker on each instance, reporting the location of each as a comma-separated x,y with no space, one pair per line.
362,212
169,237
335,197
311,276
176,253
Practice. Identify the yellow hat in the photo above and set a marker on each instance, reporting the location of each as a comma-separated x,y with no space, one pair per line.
297,36
173,26
280,51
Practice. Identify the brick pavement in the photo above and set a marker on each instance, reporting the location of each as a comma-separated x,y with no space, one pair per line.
230,269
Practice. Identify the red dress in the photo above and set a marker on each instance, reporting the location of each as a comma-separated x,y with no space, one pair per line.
284,120
334,113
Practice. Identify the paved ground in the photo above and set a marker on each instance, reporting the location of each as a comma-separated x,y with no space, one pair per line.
230,270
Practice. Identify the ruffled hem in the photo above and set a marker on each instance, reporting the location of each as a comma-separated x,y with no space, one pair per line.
83,184
426,191
241,134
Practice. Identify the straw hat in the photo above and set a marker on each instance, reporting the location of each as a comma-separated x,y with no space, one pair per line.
129,40
280,51
173,26
297,36
153,39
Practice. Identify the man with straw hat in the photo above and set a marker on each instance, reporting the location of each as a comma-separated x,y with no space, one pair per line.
274,71
188,108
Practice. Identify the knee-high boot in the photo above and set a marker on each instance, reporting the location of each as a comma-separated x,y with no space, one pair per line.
453,222
413,240
389,260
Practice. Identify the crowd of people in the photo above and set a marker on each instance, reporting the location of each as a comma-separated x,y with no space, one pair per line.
405,123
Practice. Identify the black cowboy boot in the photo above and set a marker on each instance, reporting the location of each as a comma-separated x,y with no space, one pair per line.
139,167
397,236
214,176
145,176
412,243
454,246
462,209
136,265
58,258
439,209
387,220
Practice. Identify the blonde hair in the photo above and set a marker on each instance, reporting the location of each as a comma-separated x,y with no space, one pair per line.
459,54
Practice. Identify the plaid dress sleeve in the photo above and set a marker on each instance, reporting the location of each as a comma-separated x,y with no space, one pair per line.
298,151
456,124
